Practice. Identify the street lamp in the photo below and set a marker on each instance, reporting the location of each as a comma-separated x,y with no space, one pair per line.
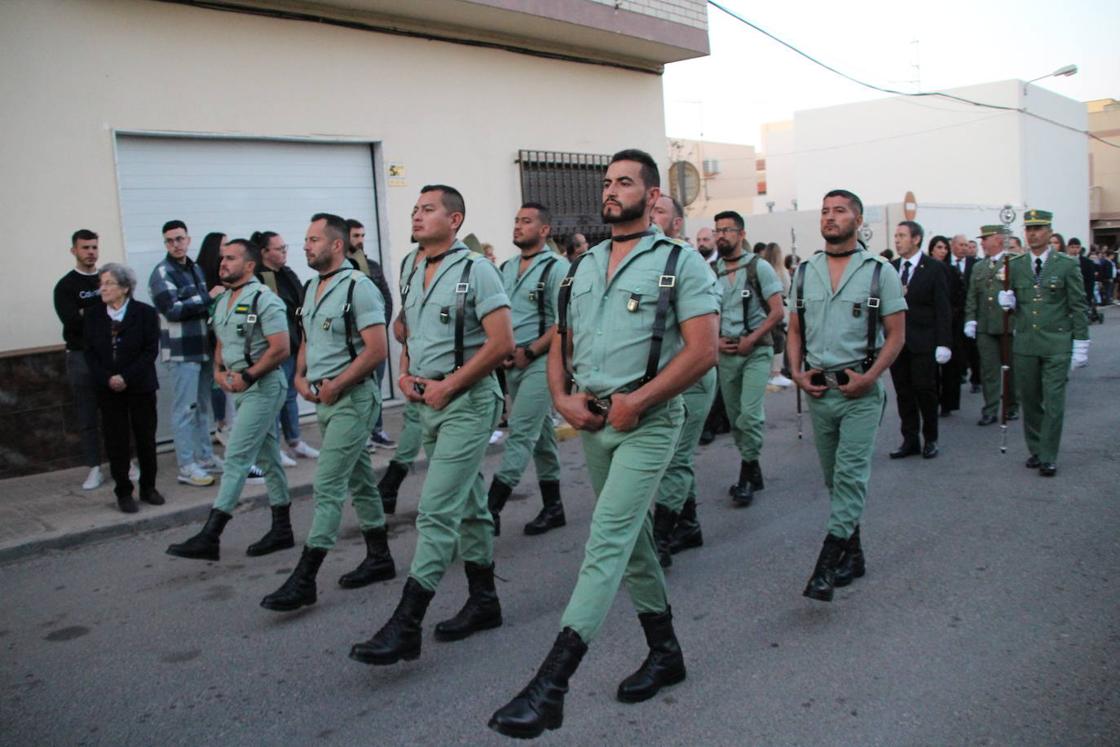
1063,72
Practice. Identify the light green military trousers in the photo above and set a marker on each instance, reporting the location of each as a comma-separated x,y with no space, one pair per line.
679,482
991,375
844,430
531,433
625,470
344,464
408,442
254,439
742,379
1042,395
453,515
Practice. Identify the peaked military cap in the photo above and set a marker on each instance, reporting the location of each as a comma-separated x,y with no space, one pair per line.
994,230
1037,218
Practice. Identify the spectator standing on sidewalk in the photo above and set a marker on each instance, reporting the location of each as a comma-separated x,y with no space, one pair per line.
121,341
74,295
208,259
179,292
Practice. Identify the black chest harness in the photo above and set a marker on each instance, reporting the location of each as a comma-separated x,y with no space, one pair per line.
873,303
539,294
667,286
461,289
348,315
751,288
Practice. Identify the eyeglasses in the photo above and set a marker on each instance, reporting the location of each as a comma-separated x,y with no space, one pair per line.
728,230
177,240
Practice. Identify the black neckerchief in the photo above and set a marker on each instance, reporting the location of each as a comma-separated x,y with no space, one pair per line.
232,288
840,255
332,273
631,236
732,259
439,257
534,254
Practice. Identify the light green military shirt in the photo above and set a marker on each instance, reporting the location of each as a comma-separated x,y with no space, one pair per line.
835,324
232,323
612,323
526,295
731,290
324,322
430,313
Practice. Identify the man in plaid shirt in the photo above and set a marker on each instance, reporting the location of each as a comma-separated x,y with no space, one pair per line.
179,293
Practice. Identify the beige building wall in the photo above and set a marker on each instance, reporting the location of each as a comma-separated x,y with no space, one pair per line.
1104,161
75,73
728,179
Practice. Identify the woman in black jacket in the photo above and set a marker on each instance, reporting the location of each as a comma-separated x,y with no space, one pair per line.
121,345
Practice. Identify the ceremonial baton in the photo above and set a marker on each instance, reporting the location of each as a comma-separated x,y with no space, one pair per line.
1007,217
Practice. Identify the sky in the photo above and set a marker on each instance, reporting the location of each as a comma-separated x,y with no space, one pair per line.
748,79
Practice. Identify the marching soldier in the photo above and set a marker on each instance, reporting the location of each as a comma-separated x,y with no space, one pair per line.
984,322
1051,328
751,307
674,514
251,326
531,282
458,330
642,313
343,319
846,327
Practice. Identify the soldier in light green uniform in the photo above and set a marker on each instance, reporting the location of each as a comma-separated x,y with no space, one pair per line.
674,513
751,307
629,363
531,281
343,318
408,442
251,325
458,331
984,322
1051,328
833,297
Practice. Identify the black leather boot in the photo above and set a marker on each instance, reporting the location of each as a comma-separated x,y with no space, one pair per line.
820,586
299,590
754,474
278,537
399,638
496,501
482,610
852,565
390,484
742,493
376,566
552,515
540,705
687,533
665,664
204,545
664,521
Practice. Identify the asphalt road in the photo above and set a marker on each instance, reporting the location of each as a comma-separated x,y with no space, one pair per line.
989,615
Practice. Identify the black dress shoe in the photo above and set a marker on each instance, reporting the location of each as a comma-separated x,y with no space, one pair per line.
907,449
987,420
706,437
1047,469
127,504
1032,462
929,451
152,497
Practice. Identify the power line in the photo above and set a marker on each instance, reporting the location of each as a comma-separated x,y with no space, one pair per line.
893,92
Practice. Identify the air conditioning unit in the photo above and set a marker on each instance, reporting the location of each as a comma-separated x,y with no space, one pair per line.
711,166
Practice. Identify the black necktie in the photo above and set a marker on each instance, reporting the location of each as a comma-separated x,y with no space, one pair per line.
906,272
1037,268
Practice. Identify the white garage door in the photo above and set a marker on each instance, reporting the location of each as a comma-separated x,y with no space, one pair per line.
236,187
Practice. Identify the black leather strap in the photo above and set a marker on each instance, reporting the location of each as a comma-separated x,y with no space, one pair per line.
542,288
800,306
349,320
873,303
667,284
250,325
299,311
461,289
562,300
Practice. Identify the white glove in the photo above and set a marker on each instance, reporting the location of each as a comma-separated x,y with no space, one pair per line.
1007,300
1080,356
942,354
970,330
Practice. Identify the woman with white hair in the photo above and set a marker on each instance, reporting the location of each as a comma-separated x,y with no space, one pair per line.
121,345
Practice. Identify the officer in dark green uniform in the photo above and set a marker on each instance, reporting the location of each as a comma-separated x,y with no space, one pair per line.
251,326
845,330
531,282
458,330
642,310
1051,328
984,322
343,318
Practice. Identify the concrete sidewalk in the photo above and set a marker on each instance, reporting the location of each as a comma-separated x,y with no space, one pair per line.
50,511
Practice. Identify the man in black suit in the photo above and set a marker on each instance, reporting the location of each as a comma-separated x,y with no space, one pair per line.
928,336
963,259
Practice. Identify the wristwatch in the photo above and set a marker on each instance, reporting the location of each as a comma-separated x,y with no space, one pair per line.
528,349
247,377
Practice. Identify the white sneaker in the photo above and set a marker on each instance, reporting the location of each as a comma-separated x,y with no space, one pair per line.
495,437
371,445
256,476
133,471
301,449
285,460
213,465
782,381
93,479
194,475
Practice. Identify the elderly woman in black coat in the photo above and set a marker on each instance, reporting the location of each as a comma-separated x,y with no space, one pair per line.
121,345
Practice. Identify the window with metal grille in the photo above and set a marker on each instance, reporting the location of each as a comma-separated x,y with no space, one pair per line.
570,185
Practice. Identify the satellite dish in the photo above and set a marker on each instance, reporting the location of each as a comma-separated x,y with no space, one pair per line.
684,182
